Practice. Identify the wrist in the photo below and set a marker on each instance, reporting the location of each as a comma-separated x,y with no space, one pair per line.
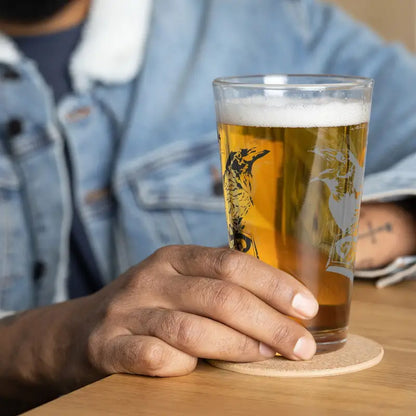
71,368
45,353
386,231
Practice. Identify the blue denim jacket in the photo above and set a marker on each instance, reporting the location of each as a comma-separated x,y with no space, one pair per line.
144,142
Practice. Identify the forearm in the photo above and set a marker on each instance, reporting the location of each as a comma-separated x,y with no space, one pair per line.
39,352
386,231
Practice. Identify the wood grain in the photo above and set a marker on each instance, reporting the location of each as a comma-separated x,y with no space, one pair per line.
388,316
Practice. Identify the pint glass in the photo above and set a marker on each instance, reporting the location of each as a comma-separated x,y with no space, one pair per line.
292,151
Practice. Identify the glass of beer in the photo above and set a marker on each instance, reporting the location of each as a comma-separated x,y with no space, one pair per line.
292,152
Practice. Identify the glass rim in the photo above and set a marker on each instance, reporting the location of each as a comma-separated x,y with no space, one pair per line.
340,82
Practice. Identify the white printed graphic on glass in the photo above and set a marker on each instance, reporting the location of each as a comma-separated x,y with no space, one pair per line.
343,177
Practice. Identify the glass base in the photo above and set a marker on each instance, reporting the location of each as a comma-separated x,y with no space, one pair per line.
330,340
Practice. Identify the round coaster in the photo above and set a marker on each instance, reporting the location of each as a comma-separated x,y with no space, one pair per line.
358,354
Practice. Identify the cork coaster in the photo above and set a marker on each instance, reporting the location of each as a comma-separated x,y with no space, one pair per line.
358,354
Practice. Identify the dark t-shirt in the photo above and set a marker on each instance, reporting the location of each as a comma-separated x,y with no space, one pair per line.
52,53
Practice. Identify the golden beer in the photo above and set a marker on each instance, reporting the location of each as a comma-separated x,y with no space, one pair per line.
292,177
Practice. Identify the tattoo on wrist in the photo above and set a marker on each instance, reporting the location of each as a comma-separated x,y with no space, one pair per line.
372,232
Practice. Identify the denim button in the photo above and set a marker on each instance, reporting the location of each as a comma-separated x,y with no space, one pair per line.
10,74
14,127
39,270
217,189
216,181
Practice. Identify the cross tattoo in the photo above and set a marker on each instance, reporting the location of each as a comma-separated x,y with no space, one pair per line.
373,231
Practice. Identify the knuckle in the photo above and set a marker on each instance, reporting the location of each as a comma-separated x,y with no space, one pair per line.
179,328
227,297
168,324
160,252
222,296
281,335
141,280
245,346
228,263
188,334
112,310
165,253
275,289
152,357
166,258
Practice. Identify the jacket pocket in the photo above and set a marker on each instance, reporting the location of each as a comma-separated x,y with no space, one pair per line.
15,257
177,193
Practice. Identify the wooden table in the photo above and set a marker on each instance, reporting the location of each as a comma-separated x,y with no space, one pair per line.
387,316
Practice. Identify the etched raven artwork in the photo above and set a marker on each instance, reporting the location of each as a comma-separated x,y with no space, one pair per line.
238,189
343,177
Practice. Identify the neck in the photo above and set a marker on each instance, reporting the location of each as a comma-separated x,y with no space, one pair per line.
71,15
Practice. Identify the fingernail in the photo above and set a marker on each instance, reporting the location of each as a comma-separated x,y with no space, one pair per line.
305,348
305,305
266,351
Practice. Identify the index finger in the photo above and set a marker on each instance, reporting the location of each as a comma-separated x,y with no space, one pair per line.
275,287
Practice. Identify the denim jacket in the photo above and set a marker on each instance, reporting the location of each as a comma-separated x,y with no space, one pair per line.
141,131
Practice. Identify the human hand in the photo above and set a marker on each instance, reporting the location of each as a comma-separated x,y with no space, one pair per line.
185,302
386,231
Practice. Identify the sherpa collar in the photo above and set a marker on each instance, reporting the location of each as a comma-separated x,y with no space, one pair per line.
112,45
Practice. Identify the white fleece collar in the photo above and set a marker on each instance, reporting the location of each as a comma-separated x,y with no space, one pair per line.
113,42
8,51
112,45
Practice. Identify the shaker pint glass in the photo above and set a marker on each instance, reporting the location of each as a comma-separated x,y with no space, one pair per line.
292,152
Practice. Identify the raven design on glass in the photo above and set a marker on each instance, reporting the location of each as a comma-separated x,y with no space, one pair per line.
237,186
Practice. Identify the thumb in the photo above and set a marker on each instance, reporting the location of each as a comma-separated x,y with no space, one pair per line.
139,354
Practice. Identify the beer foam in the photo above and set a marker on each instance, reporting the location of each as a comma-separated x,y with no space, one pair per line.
263,111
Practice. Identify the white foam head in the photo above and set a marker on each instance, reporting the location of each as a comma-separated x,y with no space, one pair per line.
272,111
